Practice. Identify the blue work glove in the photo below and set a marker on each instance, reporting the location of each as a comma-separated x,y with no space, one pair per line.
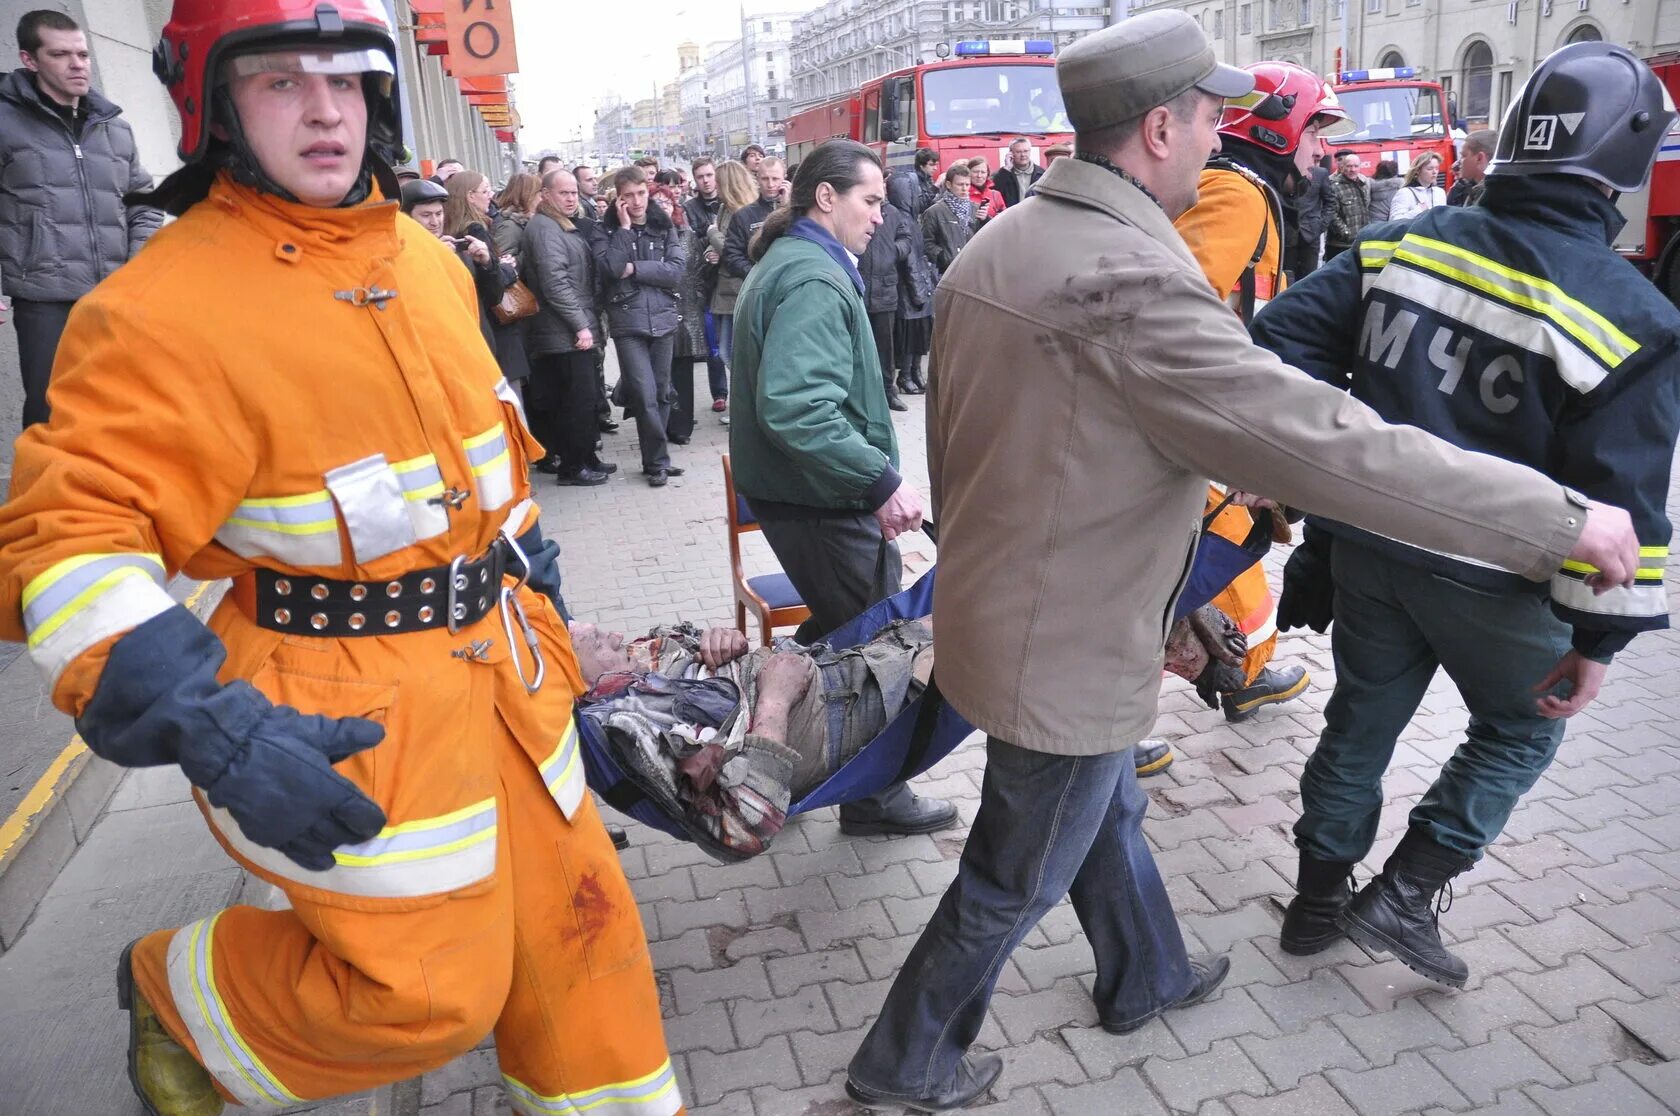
544,556
158,701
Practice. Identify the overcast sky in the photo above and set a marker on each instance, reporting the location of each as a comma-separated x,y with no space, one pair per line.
572,53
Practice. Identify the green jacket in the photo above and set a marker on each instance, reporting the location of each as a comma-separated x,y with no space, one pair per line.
810,424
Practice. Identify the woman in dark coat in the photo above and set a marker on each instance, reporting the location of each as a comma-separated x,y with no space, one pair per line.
466,216
514,206
913,331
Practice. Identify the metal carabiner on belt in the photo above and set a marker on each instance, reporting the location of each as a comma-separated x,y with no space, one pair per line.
511,608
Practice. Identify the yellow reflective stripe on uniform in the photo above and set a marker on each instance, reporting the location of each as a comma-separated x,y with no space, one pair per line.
1643,573
655,1094
427,856
1578,368
1529,292
78,602
422,484
222,1050
1375,254
562,771
300,530
492,466
1639,601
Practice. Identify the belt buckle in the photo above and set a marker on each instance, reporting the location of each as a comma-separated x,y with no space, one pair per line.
454,611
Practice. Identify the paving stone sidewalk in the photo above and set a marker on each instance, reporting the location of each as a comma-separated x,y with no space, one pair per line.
771,970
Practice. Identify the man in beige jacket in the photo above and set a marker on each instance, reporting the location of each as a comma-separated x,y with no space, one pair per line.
1069,503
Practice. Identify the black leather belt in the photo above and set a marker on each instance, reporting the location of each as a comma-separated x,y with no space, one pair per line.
451,596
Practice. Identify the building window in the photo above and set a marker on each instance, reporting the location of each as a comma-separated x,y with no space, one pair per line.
1504,91
1478,81
1586,33
1340,10
1374,7
1391,60
1219,23
1245,16
767,27
1306,12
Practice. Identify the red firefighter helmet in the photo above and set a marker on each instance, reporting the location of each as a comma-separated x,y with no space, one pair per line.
352,36
1287,99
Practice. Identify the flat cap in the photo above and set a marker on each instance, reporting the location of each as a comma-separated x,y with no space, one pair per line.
1121,72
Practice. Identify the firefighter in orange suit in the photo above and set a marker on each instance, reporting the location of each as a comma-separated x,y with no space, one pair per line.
288,388
1237,230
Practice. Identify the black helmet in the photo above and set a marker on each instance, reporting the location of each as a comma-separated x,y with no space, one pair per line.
1589,109
421,191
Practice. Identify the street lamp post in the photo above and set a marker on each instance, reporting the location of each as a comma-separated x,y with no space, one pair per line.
746,70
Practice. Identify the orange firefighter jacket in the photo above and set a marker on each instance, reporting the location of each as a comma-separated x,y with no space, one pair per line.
317,423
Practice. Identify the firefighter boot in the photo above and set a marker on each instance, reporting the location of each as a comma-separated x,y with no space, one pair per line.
1398,911
166,1077
1269,687
1322,891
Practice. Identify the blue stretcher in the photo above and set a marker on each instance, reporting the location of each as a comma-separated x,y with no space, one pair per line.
926,730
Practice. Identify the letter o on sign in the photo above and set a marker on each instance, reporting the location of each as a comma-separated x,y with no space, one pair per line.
482,40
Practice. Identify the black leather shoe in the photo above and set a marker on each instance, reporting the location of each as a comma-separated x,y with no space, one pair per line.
549,465
1398,912
1210,974
976,1073
657,478
898,811
1269,688
1322,891
677,439
581,478
1151,757
669,470
620,839
906,386
600,466
608,426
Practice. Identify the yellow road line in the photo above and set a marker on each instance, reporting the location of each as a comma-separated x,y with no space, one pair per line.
41,796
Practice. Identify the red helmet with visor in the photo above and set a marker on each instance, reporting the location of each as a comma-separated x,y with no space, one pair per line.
1286,101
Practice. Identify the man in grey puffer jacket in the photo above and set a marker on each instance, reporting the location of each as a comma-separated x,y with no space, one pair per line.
66,160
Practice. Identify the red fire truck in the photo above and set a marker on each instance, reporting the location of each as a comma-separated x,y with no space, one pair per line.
1651,238
972,103
1396,116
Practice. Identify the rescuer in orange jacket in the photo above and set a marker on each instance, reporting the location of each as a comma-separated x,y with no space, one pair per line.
288,388
1237,230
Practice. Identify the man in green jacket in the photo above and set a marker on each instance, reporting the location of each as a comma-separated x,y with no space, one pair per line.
812,445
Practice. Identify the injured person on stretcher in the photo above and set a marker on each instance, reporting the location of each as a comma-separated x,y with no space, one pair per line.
724,738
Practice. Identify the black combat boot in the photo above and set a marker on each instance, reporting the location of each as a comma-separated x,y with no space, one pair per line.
893,401
1322,891
1398,913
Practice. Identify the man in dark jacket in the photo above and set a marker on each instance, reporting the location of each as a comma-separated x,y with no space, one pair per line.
1013,181
66,160
703,208
1350,206
639,255
1474,155
949,222
1312,217
889,250
772,189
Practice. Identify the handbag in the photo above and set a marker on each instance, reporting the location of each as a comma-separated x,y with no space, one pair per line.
517,303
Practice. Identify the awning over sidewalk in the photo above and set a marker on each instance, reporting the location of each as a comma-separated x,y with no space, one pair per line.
475,41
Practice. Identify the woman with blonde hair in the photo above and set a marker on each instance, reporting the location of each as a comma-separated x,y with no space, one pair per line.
1420,192
738,189
466,225
514,207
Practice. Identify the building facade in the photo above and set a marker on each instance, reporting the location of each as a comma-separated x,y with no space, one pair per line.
844,43
1482,50
740,116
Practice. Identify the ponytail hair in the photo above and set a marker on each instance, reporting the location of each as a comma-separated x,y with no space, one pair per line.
838,162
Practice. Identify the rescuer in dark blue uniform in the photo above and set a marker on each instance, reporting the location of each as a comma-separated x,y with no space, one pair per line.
1512,328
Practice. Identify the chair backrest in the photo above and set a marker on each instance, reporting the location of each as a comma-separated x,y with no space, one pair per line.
740,519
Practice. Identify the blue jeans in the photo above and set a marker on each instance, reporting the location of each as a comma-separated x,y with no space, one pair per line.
1395,624
1048,826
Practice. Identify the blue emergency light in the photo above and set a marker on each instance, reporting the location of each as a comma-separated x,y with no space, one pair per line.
1391,73
980,48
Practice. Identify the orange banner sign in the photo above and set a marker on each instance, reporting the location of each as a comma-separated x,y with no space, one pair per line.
481,37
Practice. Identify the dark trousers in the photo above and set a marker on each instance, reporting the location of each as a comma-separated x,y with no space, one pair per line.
882,326
560,402
681,422
644,373
1303,259
1395,624
39,325
841,566
1048,826
603,405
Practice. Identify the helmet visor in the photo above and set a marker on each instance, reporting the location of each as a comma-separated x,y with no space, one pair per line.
280,61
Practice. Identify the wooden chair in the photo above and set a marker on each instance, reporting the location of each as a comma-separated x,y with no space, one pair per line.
772,597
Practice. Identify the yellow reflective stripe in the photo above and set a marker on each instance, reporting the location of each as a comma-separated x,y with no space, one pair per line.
288,501
1653,552
318,527
566,740
414,463
500,461
421,825
58,571
418,494
351,860
1542,296
222,1025
1586,569
81,600
653,1094
1377,252
482,439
